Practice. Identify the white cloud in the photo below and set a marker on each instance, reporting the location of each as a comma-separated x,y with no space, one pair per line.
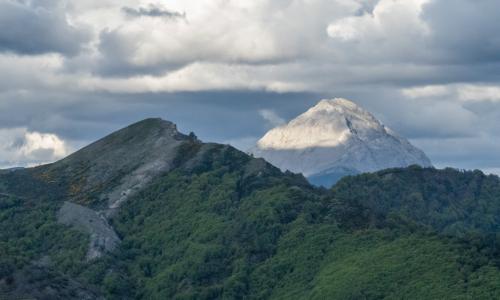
271,117
460,91
426,91
390,31
494,171
470,92
29,72
35,141
195,77
234,32
344,29
21,147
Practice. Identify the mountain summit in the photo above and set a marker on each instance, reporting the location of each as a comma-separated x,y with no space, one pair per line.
335,138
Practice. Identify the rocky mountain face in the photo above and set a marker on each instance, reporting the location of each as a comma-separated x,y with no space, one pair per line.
106,173
121,163
150,213
333,139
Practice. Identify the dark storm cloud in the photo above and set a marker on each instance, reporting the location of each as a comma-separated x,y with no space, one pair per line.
464,31
35,29
91,115
152,11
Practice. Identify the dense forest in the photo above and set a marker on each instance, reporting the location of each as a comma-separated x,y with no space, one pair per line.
229,226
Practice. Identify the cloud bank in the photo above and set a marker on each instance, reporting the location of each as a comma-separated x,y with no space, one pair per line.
23,148
427,68
31,28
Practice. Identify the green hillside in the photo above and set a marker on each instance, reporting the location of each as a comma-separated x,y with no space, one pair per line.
216,223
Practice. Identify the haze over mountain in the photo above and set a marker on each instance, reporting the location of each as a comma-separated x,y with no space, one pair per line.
335,138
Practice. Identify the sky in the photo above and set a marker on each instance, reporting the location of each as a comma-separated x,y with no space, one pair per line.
229,70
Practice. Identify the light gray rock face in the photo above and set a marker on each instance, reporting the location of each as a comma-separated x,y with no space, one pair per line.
102,236
112,170
334,136
125,161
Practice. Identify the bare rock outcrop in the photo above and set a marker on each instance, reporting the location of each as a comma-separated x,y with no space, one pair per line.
105,174
103,238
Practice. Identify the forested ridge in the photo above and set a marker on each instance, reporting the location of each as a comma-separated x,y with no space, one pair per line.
223,225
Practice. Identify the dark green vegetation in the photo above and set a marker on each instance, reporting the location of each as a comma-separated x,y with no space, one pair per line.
329,177
219,224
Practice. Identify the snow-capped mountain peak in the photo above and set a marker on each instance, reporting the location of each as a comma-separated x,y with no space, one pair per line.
336,134
327,124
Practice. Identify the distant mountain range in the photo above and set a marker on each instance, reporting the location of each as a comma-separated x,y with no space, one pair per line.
150,213
333,139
